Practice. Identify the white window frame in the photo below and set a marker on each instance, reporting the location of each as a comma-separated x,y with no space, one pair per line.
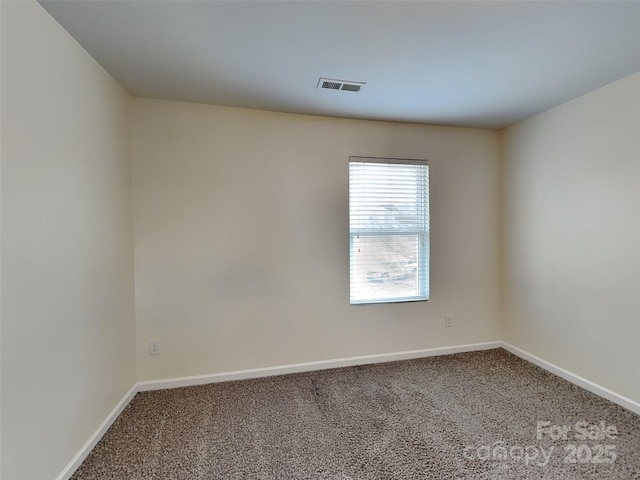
422,234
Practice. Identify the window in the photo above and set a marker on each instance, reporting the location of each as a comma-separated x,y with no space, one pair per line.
388,230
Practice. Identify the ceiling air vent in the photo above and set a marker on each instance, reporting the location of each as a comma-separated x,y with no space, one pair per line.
345,85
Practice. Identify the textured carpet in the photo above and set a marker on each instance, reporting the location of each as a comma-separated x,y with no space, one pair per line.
434,418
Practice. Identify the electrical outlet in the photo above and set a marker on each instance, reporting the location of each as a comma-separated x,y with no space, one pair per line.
154,347
448,320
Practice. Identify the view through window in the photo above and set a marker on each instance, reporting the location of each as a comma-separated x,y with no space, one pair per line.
389,230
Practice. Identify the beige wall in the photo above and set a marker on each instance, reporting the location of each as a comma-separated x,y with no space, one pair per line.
67,263
241,238
572,236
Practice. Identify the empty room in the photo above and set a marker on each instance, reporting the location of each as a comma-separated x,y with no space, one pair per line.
337,240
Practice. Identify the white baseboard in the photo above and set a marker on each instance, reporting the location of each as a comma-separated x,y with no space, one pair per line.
575,379
77,460
310,366
599,390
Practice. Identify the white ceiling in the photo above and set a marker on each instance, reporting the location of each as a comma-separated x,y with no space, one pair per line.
477,64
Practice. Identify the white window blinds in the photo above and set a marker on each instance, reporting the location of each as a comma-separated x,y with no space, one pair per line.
388,230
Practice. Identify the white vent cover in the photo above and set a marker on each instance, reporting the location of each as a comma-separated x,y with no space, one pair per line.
345,85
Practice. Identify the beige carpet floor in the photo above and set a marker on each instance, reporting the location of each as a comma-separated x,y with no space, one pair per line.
465,416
